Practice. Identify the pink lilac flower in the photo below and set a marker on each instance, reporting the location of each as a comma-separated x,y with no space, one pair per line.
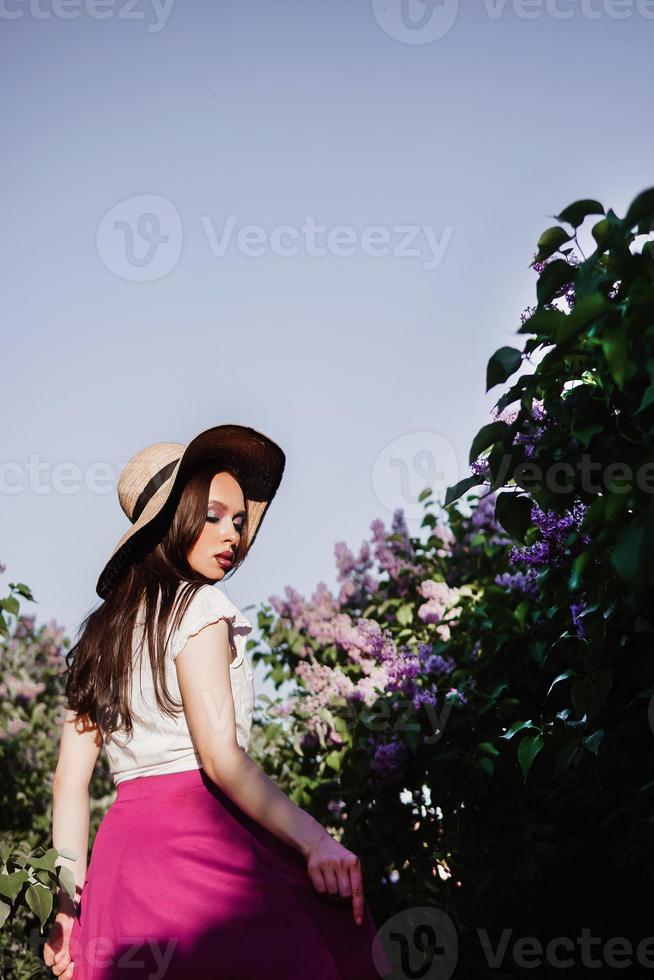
357,584
26,691
393,556
291,608
14,727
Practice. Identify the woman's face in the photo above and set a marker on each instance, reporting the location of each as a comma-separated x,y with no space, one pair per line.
222,529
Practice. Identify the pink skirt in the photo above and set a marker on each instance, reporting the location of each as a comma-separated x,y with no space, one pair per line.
183,884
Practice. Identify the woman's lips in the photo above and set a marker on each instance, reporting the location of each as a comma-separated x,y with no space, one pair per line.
223,560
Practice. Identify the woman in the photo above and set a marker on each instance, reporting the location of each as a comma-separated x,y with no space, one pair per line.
202,867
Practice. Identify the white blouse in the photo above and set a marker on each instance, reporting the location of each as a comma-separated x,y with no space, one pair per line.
159,743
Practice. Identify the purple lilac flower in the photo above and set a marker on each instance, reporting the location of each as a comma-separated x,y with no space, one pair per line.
424,695
434,663
526,582
576,610
481,469
389,761
555,530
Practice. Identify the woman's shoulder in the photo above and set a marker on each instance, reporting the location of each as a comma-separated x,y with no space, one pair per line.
207,604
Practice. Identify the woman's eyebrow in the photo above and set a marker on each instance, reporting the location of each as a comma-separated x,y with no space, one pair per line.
240,513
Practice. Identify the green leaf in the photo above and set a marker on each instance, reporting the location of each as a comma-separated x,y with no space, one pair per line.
520,612
527,752
606,230
39,899
641,211
502,365
551,241
646,400
589,694
576,213
487,436
5,909
11,605
22,589
586,310
555,275
513,511
11,884
561,677
517,726
46,861
629,552
565,756
544,323
412,738
616,351
67,880
592,742
578,566
453,493
404,614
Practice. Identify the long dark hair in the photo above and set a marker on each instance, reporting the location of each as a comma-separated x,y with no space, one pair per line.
100,663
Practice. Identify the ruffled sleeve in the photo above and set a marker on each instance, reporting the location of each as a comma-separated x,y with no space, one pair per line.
208,605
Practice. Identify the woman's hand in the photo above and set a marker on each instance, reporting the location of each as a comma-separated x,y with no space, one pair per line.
334,869
56,950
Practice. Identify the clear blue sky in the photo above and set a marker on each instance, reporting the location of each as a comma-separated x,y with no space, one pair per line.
138,307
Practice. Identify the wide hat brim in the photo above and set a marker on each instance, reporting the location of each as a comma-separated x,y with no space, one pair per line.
258,461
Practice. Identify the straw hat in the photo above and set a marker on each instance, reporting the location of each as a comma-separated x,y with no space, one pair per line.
149,478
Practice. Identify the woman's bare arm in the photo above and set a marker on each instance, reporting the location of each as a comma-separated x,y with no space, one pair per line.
204,678
203,673
78,753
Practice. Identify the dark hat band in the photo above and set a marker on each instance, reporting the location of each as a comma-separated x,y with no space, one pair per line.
151,488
